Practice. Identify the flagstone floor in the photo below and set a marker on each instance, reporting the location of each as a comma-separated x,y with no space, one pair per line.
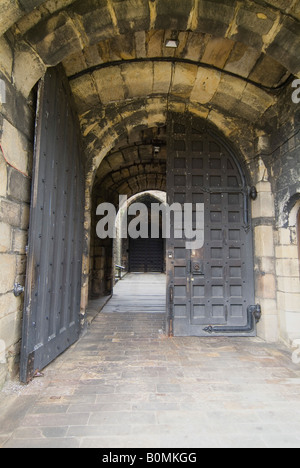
126,385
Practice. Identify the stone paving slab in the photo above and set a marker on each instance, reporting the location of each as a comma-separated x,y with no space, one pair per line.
126,385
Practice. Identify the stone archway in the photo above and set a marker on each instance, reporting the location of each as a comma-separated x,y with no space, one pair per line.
233,67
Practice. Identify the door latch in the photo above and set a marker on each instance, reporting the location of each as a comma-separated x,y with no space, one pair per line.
197,268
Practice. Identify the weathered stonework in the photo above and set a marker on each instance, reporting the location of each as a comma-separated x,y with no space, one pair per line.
233,67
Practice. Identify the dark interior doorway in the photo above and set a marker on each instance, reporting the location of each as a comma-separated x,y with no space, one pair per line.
146,255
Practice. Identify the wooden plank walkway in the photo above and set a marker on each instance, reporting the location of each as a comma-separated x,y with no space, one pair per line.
139,293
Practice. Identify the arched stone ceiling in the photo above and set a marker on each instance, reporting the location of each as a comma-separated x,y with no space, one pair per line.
133,168
57,28
29,12
231,55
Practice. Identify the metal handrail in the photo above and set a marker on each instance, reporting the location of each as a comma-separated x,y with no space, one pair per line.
120,269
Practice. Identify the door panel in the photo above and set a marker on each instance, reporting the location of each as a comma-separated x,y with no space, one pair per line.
210,289
146,255
53,280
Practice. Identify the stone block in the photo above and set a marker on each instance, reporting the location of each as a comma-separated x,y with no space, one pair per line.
258,99
85,93
289,302
292,321
173,14
225,124
74,64
138,78
19,186
269,306
25,214
268,328
157,111
267,264
15,147
28,69
195,46
3,176
55,39
242,60
6,58
263,206
10,212
20,239
115,160
110,84
154,43
264,244
287,267
217,52
122,47
287,251
206,85
9,304
140,44
229,92
132,14
7,265
29,5
5,237
97,21
10,13
21,265
266,286
162,77
215,16
184,80
10,327
288,285
285,46
252,27
275,75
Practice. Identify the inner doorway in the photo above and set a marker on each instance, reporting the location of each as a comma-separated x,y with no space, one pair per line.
210,287
147,255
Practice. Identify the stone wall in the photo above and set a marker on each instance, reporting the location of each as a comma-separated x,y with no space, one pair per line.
281,156
16,139
133,82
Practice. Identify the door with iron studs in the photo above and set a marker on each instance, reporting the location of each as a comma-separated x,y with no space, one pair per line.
210,288
51,320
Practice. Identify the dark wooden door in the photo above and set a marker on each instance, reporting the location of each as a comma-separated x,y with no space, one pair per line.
146,255
211,287
53,282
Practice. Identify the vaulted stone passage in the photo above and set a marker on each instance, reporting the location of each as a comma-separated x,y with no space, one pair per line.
233,67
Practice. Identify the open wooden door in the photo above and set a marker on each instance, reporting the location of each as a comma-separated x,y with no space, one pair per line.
54,267
210,289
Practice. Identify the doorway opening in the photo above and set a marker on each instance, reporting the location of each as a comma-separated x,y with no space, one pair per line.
139,263
142,254
210,283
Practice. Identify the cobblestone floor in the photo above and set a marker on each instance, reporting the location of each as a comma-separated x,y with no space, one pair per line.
125,384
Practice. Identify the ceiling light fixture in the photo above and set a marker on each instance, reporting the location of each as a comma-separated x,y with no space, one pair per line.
172,43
